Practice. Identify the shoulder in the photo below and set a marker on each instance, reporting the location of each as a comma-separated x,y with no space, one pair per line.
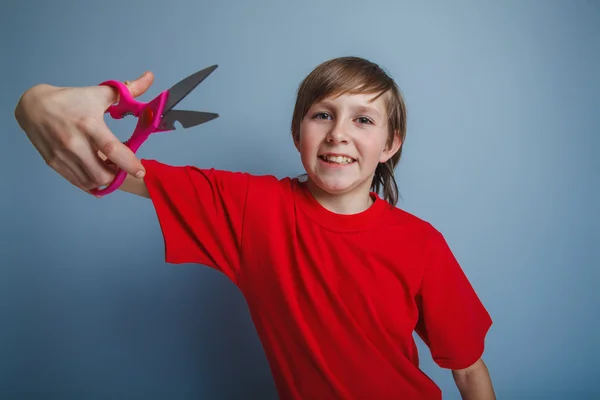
270,185
161,170
263,192
420,236
398,218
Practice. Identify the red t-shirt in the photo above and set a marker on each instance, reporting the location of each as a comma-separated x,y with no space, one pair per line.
335,298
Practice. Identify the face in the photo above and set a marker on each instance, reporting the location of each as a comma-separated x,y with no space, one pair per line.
342,140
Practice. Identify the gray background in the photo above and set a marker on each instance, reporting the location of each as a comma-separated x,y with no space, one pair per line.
503,99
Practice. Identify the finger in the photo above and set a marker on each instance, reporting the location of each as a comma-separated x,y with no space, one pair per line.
82,179
136,88
139,86
111,165
64,159
101,174
107,162
82,160
106,142
63,170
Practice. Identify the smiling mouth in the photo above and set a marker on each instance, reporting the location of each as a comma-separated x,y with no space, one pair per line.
341,160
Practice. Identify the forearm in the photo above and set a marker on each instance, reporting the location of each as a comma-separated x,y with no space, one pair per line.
135,186
474,383
131,184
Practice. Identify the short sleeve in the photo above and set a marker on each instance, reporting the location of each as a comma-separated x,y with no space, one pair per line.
201,214
453,322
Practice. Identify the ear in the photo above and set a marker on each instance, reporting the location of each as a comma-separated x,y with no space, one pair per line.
389,151
296,143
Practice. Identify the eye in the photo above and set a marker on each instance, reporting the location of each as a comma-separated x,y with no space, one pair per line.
321,115
364,120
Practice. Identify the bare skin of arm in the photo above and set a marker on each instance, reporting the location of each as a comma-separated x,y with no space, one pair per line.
131,184
135,186
474,382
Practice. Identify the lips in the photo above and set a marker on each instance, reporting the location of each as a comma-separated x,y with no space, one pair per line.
334,158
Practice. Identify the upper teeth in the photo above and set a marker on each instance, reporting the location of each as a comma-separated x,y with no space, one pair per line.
338,159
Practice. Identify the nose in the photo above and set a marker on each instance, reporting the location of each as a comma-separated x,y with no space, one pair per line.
337,133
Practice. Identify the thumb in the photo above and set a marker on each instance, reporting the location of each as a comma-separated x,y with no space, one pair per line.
139,86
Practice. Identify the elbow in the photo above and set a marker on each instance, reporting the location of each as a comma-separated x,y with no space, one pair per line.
462,375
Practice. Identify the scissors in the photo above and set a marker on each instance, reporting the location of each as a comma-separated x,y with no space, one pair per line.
157,115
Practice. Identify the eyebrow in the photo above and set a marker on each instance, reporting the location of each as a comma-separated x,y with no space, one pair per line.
361,109
365,109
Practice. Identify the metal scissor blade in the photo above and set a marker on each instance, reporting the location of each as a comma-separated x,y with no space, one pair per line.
186,118
185,86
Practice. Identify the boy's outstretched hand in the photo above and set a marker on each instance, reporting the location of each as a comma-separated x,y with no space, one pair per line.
66,125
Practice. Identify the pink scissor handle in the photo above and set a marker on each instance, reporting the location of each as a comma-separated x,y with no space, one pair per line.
149,117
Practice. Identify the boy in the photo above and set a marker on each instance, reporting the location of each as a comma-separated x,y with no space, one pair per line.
336,278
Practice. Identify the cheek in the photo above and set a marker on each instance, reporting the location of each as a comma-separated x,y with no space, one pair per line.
303,148
308,140
380,147
372,151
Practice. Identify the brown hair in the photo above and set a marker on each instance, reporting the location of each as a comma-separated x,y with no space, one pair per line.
357,75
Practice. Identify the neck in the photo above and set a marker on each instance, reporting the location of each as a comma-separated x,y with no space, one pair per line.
353,202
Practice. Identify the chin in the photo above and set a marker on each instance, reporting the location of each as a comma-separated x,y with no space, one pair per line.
334,186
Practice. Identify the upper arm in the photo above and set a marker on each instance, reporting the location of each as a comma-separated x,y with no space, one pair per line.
452,322
200,212
463,371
